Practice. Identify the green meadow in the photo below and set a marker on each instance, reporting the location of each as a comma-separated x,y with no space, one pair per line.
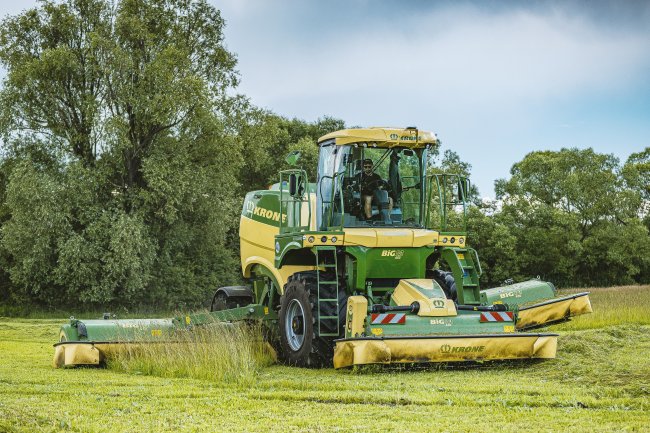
600,382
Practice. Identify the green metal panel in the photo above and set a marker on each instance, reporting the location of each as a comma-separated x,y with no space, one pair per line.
250,312
520,294
263,206
285,243
117,330
397,263
466,322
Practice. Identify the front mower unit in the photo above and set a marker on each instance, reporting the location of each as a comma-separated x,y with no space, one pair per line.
422,325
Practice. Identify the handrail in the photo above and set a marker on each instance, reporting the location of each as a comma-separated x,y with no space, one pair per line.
284,228
446,200
330,217
477,263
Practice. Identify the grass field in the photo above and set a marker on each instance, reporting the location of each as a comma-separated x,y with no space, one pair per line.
600,382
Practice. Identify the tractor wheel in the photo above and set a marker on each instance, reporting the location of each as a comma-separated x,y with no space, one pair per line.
447,282
300,343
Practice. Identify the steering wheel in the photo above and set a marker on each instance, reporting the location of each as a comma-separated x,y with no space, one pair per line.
380,184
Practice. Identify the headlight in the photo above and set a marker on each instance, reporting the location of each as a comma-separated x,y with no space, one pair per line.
334,239
323,239
310,239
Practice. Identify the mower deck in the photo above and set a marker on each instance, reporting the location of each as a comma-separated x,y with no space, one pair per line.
442,348
554,310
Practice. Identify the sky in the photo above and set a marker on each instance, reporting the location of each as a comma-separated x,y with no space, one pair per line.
494,80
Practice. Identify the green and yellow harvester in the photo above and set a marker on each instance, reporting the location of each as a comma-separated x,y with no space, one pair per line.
359,268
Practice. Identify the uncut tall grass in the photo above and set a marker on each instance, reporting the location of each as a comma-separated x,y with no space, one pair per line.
219,352
623,305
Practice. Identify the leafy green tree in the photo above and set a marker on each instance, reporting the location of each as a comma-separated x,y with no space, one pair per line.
637,175
573,216
134,99
268,138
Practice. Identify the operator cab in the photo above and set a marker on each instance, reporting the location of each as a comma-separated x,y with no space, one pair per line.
372,178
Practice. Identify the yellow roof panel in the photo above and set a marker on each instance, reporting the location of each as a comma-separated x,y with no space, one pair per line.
382,137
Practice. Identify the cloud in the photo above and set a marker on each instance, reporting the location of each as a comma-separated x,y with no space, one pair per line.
459,55
495,80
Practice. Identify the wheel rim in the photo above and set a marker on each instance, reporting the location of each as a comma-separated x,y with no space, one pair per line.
294,325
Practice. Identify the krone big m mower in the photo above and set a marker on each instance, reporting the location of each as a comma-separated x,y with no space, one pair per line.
370,264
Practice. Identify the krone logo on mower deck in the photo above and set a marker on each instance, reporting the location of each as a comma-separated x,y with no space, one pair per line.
398,254
446,348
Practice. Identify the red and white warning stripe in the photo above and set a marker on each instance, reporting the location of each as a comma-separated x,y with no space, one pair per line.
497,316
388,319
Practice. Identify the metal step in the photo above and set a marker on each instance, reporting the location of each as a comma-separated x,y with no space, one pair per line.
326,260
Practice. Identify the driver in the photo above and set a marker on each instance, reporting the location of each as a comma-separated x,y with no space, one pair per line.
370,182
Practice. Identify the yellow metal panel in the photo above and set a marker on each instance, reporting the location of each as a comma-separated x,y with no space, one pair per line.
389,238
256,240
552,312
70,355
356,316
405,294
257,247
394,238
423,238
438,349
361,237
382,137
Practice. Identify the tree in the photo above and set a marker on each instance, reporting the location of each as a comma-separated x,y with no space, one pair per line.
268,138
573,215
55,84
637,175
133,100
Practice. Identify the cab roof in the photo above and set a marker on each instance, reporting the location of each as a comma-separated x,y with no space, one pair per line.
381,137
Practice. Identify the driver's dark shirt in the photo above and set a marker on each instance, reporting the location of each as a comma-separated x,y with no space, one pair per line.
369,183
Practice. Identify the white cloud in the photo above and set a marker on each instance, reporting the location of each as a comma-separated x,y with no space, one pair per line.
459,56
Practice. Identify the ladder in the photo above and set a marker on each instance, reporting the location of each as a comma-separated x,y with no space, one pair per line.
328,291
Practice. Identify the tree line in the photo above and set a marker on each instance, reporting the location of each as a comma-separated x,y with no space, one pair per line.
127,152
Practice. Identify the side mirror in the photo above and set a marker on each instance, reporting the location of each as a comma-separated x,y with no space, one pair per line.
293,157
293,185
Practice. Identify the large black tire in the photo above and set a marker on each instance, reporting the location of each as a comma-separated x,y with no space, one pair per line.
447,282
300,342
